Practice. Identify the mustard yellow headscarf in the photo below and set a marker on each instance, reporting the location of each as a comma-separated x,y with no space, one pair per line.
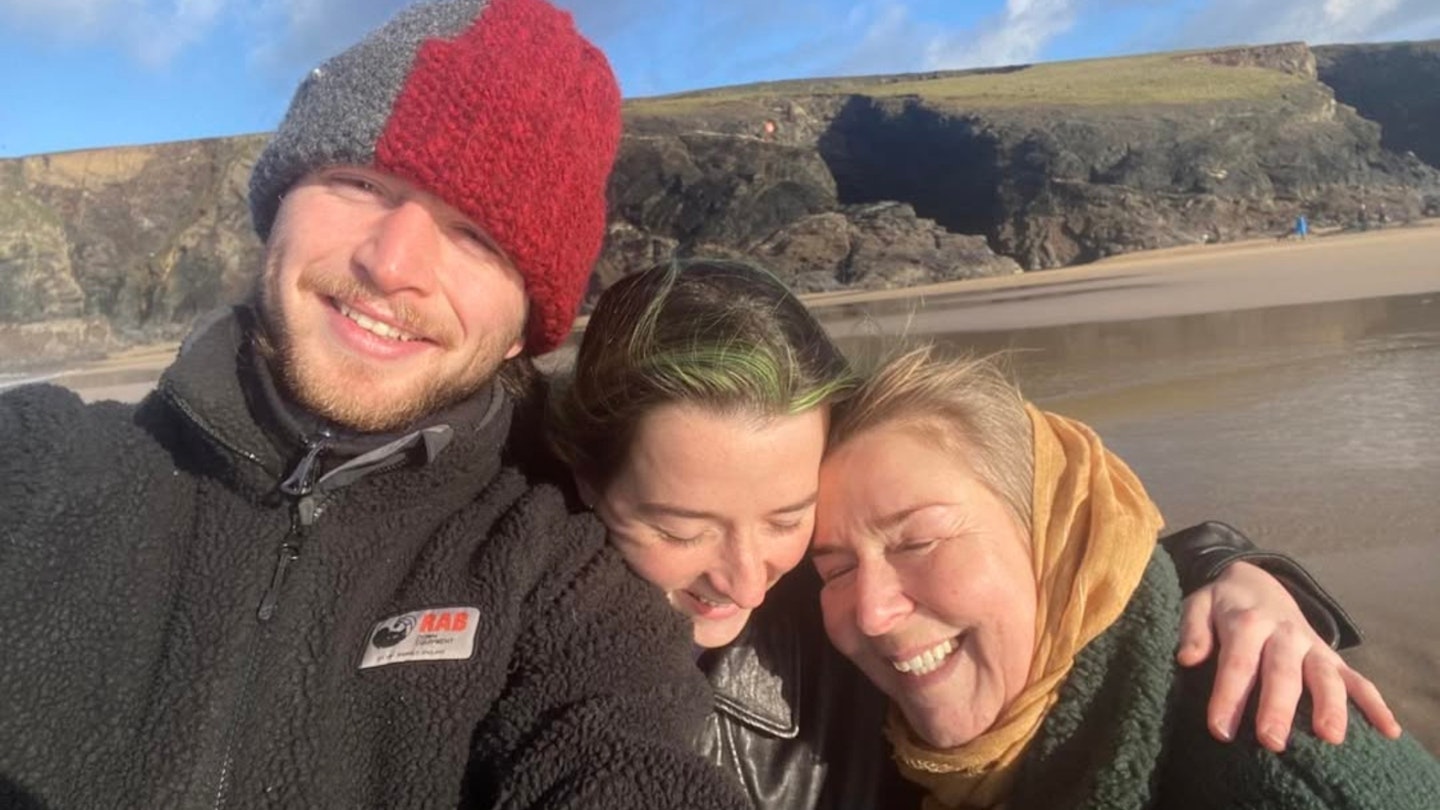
1093,530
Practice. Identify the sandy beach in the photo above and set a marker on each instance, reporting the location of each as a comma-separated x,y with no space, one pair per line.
124,376
1291,388
1239,275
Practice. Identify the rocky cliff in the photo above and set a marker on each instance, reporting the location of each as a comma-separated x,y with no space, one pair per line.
868,182
1396,85
103,248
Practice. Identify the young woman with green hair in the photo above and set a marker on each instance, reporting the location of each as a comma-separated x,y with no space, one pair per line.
695,424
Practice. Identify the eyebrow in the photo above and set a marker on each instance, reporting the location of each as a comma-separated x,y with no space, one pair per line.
899,516
672,510
820,548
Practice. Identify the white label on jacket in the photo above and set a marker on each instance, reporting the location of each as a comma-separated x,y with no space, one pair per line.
438,634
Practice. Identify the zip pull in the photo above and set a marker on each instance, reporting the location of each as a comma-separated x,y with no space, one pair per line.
302,479
289,552
300,486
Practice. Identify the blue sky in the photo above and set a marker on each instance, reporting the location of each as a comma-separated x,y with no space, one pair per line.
85,73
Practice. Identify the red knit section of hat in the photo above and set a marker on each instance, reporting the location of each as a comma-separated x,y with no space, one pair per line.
515,122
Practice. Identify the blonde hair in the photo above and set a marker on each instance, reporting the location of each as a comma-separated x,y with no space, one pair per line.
969,405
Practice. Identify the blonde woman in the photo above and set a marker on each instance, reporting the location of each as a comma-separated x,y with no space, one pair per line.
992,569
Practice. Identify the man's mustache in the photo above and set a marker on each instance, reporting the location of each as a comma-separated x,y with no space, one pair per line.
399,312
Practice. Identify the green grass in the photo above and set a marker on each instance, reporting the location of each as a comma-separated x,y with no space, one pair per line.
1128,81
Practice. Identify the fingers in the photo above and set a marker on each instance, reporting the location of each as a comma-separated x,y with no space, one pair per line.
1197,635
1235,673
1329,716
1370,702
1281,683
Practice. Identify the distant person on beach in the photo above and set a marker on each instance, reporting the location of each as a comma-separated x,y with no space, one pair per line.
992,568
1302,226
695,422
307,571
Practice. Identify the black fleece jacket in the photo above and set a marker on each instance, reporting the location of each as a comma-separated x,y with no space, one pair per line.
189,590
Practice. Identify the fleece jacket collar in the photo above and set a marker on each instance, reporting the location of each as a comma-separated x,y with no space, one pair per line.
227,391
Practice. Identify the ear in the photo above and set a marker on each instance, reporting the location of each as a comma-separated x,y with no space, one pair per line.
515,348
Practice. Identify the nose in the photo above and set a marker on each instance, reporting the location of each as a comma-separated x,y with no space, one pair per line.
880,601
402,250
746,575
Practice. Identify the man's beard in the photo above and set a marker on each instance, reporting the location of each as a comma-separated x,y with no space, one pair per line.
352,406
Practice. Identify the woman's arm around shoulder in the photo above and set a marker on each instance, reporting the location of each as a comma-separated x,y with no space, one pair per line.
1369,771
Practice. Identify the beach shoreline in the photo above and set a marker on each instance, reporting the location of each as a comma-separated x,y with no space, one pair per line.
1169,352
1010,302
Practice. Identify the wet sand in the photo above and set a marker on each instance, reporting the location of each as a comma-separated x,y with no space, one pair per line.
124,376
1290,388
1180,281
1314,428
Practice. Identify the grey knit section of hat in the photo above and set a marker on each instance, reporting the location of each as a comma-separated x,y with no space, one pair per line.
340,110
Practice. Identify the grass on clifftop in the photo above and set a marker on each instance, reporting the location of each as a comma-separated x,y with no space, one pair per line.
1127,81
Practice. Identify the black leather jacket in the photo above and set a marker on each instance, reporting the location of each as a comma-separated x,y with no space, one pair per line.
794,720
800,726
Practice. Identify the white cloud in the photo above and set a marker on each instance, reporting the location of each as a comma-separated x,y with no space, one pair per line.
65,18
1017,36
290,36
285,34
892,39
1224,22
152,31
697,42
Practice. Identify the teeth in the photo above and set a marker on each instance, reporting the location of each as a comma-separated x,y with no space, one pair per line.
709,602
373,326
928,661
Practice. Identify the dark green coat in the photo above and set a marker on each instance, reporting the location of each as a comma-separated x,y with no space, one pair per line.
1129,731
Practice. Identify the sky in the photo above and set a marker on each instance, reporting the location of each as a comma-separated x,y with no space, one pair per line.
86,73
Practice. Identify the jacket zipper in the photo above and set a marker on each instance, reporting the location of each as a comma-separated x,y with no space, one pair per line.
305,508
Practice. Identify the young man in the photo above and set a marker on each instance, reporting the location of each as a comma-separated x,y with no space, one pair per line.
301,573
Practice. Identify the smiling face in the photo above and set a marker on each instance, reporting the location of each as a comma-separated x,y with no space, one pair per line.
714,508
383,303
928,582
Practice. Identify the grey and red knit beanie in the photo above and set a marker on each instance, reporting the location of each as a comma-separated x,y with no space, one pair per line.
498,107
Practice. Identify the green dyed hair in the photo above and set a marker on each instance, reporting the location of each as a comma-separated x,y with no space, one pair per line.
721,335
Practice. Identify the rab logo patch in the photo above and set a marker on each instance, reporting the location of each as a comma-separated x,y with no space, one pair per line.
439,634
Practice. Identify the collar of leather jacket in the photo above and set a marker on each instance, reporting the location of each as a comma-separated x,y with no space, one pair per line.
756,680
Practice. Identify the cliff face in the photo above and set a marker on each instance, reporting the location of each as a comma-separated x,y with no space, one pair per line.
106,247
1396,85
1066,163
868,182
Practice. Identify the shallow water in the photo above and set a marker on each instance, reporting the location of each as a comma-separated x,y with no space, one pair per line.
1315,428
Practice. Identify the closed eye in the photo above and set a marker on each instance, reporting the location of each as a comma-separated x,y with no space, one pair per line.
831,563
680,540
355,185
474,235
918,546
